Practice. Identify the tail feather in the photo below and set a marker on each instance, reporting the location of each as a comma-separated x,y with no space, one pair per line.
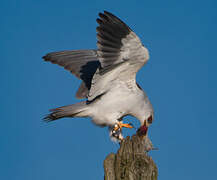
74,110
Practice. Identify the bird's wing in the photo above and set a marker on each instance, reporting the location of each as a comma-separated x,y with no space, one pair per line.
120,52
117,43
82,63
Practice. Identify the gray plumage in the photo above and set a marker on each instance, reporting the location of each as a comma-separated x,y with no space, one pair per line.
108,76
82,63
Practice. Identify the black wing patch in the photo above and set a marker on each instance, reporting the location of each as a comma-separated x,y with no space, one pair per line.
82,63
110,32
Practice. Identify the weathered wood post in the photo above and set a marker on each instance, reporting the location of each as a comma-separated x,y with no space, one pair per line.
131,162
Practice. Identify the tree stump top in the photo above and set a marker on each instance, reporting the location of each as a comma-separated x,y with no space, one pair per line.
131,162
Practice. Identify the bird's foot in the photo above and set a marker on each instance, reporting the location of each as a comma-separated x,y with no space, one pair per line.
120,125
116,134
117,130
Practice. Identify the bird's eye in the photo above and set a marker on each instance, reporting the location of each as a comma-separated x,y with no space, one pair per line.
150,119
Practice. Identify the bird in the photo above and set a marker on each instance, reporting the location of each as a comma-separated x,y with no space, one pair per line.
109,89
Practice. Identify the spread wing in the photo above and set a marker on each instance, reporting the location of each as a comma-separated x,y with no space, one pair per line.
82,63
120,52
119,56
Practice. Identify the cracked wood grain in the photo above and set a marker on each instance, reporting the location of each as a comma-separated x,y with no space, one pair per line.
131,162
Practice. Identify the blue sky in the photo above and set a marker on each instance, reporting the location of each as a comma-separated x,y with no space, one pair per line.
180,79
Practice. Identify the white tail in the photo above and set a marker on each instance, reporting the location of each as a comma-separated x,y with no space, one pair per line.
74,110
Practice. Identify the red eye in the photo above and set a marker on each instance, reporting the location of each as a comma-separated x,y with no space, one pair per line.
150,119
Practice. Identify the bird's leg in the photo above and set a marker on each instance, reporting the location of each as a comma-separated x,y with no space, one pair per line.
120,125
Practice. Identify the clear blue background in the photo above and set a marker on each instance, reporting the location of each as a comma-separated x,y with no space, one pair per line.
180,79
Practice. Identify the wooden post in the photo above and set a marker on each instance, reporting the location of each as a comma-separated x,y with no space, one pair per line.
131,162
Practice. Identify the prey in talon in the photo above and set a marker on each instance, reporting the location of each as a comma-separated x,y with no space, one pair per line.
116,131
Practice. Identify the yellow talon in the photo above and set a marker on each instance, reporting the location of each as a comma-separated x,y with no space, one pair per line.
125,125
120,125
